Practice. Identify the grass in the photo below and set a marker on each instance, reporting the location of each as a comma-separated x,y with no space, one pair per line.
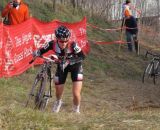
16,117
113,96
99,109
97,112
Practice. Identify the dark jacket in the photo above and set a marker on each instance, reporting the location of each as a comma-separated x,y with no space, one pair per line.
131,25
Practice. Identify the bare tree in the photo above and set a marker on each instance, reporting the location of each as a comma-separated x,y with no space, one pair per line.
158,9
54,5
73,2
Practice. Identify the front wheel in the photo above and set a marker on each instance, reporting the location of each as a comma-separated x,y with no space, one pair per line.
151,71
36,94
47,91
31,95
148,72
44,102
40,93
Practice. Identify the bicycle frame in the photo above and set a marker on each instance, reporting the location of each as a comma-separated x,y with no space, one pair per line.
46,67
41,97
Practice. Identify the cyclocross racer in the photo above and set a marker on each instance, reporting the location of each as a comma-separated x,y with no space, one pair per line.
70,57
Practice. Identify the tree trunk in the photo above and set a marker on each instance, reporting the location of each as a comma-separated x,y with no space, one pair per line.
54,5
73,2
158,9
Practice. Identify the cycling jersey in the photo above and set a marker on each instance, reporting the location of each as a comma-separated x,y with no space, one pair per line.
73,53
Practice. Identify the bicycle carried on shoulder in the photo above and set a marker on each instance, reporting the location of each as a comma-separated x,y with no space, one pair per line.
152,70
40,92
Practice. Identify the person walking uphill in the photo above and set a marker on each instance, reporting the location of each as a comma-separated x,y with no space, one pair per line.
131,27
16,11
69,59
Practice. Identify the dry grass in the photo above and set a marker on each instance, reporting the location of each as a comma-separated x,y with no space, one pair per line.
113,98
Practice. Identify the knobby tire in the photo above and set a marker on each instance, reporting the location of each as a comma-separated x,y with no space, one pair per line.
31,94
151,70
40,93
147,72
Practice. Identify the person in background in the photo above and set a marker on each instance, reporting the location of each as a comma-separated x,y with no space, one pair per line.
69,59
126,11
16,12
131,27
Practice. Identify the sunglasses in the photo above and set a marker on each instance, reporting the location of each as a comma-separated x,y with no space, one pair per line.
63,41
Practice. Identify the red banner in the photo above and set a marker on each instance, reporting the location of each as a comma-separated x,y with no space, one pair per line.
1,41
17,42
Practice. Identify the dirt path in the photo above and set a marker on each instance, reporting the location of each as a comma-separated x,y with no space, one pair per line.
122,94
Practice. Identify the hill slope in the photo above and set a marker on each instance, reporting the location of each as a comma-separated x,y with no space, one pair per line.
113,96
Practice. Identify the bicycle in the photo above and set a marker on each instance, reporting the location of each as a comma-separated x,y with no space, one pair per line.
152,70
41,88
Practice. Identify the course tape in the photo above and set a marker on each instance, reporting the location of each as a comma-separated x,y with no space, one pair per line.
113,29
112,42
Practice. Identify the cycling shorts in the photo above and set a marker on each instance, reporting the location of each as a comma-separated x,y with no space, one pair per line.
76,73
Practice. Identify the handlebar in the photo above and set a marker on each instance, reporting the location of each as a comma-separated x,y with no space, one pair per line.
150,53
43,57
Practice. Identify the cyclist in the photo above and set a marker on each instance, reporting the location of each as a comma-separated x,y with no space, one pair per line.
70,57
